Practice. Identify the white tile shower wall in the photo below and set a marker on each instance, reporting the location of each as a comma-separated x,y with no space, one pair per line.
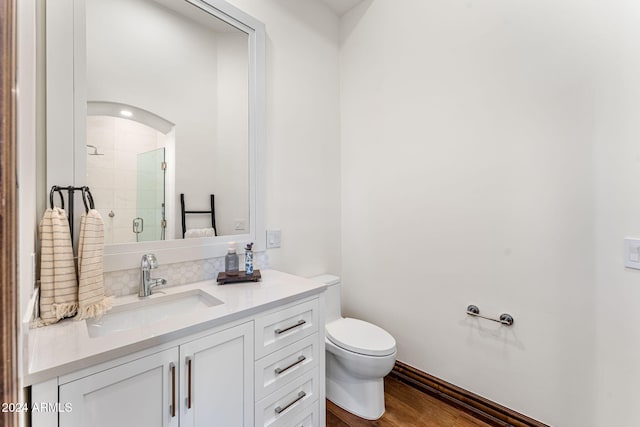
112,175
126,282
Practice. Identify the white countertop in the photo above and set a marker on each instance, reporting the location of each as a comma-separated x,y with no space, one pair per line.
66,346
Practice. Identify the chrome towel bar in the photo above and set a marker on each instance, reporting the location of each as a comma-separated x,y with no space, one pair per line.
505,319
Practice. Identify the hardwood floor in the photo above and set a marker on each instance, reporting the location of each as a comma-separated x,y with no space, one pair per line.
405,406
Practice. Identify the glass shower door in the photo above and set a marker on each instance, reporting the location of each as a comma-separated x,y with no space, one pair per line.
150,203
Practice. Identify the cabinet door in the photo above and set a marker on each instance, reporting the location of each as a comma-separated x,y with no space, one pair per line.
135,394
217,379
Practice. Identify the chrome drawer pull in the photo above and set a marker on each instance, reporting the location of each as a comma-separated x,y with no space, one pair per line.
301,359
280,331
280,410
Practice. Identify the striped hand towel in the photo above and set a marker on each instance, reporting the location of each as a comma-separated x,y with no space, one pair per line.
58,284
91,299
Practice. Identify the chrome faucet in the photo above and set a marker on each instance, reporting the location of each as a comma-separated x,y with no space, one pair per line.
148,263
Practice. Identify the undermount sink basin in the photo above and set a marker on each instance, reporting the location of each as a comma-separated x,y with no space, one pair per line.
150,310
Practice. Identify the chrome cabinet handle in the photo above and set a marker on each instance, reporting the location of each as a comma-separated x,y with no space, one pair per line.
280,410
280,331
301,359
172,407
188,399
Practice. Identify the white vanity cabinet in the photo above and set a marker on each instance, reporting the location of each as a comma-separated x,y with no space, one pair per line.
203,382
256,360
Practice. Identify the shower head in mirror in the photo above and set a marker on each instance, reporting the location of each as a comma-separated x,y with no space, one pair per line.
93,151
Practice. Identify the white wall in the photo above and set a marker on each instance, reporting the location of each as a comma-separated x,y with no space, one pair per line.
617,159
232,198
467,178
303,154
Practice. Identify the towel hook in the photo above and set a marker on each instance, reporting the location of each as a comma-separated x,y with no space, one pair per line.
92,205
57,189
86,194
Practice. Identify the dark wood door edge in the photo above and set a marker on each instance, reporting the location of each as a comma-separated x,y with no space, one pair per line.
483,409
8,215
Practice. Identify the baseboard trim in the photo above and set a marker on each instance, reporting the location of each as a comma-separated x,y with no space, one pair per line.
483,409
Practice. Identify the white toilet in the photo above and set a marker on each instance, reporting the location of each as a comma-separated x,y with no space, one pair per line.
358,356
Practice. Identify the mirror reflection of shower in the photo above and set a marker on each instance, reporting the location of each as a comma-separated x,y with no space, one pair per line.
93,151
128,160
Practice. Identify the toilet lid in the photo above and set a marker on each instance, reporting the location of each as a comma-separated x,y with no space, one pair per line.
360,337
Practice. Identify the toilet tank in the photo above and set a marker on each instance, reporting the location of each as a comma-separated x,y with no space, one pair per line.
333,295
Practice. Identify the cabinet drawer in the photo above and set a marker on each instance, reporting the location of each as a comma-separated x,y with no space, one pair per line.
283,366
308,417
276,330
279,408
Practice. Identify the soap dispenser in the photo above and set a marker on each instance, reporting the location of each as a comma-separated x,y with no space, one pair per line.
231,260
248,259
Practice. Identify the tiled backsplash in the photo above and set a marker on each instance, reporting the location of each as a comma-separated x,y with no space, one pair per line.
127,282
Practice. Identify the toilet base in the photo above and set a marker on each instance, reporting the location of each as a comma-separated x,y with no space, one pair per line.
361,397
370,408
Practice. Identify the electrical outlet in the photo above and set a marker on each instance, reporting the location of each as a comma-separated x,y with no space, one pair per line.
632,253
274,238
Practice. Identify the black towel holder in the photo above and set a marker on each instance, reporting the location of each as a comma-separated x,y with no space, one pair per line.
87,200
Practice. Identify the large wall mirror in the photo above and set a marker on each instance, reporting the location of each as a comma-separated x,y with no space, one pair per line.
157,106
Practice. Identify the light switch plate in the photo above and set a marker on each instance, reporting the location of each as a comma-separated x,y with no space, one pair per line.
632,253
274,238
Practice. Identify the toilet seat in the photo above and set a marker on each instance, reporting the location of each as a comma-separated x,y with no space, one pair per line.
360,337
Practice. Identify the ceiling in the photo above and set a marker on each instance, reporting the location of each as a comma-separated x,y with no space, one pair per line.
340,7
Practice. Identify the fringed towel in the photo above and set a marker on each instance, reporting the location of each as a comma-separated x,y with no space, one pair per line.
58,283
91,299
